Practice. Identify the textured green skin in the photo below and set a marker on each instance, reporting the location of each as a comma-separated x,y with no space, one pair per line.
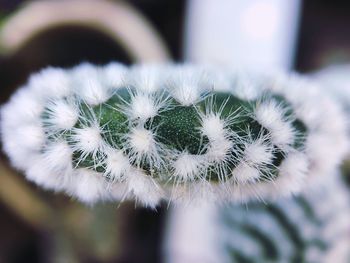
178,127
114,123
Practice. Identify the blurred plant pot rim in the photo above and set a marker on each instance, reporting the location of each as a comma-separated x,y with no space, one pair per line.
118,20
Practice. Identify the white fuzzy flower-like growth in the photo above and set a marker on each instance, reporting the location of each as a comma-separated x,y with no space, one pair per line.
176,133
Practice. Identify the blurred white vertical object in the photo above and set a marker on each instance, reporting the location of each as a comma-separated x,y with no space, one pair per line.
192,235
255,34
258,34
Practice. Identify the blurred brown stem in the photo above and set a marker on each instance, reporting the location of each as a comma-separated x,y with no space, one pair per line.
17,196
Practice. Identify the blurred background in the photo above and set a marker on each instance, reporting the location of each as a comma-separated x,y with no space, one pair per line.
39,226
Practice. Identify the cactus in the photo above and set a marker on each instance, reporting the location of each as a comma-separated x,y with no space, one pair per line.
313,227
176,132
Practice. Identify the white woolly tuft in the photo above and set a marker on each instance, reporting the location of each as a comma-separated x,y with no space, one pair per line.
58,156
186,94
269,113
143,107
144,188
117,164
246,86
61,115
87,139
51,83
21,131
23,107
88,85
292,173
258,153
30,136
245,173
218,150
146,78
113,75
142,140
187,84
219,78
144,148
89,186
20,157
320,150
271,116
41,174
187,166
213,127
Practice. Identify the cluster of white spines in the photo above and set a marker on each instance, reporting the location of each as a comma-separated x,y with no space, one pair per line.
97,133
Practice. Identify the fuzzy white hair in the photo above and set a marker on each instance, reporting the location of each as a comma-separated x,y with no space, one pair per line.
245,173
213,127
21,157
293,171
143,107
146,78
58,156
187,84
271,116
247,86
87,139
30,136
88,85
13,119
143,147
220,79
141,140
89,186
13,113
258,153
117,164
144,188
43,175
218,150
187,166
51,82
62,115
113,75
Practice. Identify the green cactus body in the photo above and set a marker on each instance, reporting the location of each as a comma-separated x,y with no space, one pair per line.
178,128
